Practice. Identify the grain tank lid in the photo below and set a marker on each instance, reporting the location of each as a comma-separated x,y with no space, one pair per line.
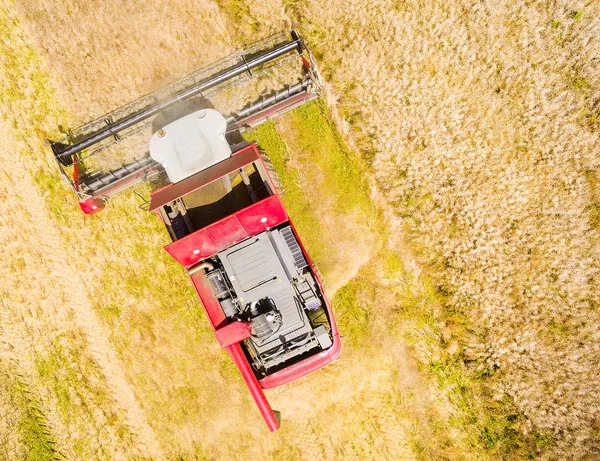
191,144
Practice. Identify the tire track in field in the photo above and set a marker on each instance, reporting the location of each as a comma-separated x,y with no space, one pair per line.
48,319
11,443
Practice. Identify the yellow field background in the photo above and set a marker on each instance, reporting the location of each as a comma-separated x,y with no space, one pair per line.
447,186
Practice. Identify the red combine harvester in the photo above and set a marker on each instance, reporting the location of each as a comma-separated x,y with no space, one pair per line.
218,197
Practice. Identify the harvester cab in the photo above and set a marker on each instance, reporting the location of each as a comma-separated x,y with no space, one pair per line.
218,198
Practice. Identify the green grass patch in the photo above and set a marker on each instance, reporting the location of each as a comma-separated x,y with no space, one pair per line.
335,171
294,199
341,169
393,265
352,311
33,426
336,174
241,21
326,186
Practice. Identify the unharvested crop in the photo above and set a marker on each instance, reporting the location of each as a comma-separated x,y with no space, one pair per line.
480,122
463,247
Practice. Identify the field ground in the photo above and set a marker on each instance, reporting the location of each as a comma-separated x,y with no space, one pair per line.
446,186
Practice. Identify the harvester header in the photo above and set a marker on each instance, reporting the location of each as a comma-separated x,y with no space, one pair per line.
280,69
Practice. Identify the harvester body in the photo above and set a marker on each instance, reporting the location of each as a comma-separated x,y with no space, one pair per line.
222,210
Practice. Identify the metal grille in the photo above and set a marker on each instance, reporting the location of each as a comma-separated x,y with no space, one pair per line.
295,250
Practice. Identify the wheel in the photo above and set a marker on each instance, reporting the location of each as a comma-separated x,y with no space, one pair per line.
272,172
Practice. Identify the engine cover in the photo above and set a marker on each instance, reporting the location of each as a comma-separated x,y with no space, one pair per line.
265,319
256,271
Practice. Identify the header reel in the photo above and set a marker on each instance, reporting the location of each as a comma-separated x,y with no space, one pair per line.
110,154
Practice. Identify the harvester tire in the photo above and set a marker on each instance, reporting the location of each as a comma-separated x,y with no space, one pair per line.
272,173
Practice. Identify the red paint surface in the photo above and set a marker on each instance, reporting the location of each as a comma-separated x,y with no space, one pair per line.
238,357
238,159
227,232
305,62
91,205
262,215
245,223
193,248
232,333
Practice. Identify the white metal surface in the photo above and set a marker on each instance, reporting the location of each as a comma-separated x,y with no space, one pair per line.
191,144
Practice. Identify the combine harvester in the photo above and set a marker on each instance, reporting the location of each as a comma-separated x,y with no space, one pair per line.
218,198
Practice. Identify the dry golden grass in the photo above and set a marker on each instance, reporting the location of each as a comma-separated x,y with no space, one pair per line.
91,47
479,125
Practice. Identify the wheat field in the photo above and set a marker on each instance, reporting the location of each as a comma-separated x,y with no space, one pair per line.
447,186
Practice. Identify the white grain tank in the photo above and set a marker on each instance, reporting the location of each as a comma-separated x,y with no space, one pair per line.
191,144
